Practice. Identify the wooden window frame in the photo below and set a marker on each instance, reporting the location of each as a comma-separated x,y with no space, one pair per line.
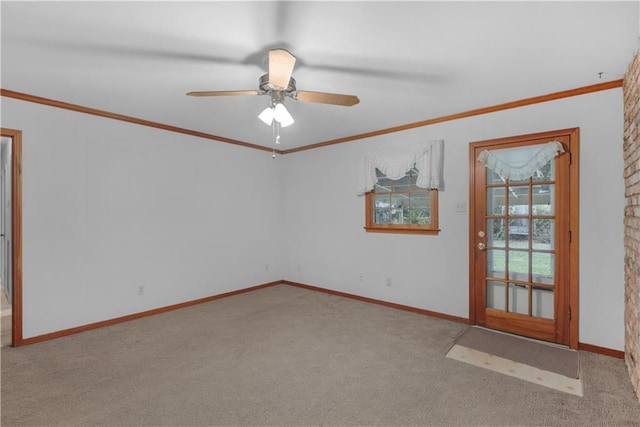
431,229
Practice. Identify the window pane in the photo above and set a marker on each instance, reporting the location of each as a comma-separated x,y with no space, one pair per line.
518,298
542,303
519,265
382,207
542,236
414,176
543,267
543,198
495,295
518,232
518,181
518,200
493,178
403,184
496,263
495,233
383,185
545,173
399,208
420,212
495,201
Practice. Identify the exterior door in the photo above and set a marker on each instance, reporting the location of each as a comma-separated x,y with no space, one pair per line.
523,241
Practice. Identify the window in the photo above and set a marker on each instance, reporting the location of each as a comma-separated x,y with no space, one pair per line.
400,206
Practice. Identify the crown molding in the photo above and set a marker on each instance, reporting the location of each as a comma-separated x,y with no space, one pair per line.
479,111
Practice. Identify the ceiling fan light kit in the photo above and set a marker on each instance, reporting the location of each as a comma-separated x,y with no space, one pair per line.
267,115
276,110
282,115
278,84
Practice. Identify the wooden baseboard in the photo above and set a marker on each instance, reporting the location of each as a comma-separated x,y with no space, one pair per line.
581,346
380,302
109,322
601,350
84,328
59,334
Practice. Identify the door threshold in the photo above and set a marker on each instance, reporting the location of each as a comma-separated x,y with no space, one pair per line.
551,344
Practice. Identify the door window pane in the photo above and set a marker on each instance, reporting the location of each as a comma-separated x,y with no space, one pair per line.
519,265
545,173
518,200
542,303
496,263
543,197
493,177
543,267
542,234
518,181
495,200
519,232
495,295
518,299
495,232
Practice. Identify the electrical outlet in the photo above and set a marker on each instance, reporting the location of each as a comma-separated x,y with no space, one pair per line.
299,268
140,290
389,282
361,278
266,267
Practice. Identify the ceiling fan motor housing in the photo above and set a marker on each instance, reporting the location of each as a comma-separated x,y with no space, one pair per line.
266,86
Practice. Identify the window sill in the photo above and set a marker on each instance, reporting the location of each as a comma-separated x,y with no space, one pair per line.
402,230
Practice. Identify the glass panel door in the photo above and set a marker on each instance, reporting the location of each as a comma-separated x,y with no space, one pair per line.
523,277
520,249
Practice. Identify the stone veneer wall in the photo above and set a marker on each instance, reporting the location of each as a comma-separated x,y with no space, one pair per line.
631,90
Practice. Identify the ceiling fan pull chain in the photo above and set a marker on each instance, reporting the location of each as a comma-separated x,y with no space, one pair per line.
273,136
277,126
275,131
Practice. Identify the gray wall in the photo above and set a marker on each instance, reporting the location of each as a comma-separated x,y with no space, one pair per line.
109,206
326,245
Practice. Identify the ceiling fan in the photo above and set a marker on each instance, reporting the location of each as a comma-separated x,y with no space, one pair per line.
279,84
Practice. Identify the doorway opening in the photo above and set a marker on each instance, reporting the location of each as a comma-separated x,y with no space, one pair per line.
11,236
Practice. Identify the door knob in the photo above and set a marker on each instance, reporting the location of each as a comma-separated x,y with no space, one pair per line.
482,246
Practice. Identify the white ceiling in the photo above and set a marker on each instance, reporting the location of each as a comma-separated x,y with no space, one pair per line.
406,61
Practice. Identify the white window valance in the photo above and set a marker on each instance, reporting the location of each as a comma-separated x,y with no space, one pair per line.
427,158
522,162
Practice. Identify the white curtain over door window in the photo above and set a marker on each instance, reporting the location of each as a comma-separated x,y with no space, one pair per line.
520,163
427,158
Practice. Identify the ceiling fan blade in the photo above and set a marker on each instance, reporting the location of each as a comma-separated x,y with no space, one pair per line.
225,93
281,64
325,98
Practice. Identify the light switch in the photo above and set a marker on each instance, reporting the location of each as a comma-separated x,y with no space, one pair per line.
461,207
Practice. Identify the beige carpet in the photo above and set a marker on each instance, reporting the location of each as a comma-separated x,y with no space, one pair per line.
289,356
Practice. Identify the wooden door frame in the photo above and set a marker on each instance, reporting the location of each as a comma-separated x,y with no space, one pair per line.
573,135
16,231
